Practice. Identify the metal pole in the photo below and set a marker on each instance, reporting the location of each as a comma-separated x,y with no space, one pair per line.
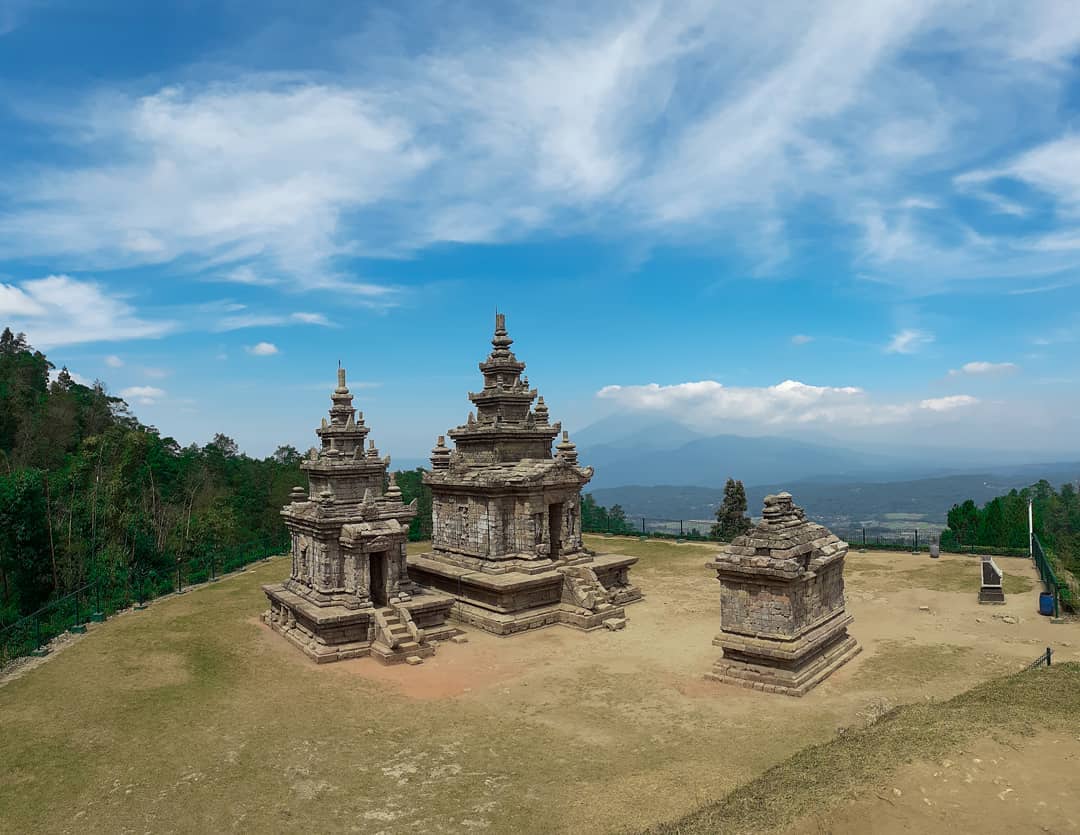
643,526
1031,531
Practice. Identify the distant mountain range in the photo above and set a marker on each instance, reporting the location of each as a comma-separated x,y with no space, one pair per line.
895,504
631,450
665,470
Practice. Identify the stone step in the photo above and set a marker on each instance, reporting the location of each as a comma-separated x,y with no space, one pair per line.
615,623
413,660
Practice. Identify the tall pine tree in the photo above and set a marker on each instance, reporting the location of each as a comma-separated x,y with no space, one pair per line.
731,518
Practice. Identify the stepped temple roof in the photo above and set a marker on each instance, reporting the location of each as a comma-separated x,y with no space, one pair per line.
785,543
506,438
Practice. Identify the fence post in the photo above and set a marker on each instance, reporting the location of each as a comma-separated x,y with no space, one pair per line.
77,626
915,542
99,614
40,651
1049,653
680,527
179,580
213,567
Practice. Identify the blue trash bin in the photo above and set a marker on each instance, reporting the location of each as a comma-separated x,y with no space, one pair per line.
1046,603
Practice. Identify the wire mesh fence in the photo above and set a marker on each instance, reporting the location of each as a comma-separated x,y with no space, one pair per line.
119,589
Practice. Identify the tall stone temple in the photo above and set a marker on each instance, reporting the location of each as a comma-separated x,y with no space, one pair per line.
349,593
782,617
506,514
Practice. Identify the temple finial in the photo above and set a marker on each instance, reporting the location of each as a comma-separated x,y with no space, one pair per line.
340,376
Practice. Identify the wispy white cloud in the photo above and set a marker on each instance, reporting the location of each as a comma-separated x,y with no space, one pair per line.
801,339
113,361
980,368
78,378
908,341
948,404
143,395
673,119
312,319
60,310
790,403
239,320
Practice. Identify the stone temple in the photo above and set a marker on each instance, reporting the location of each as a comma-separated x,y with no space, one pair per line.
782,619
349,592
506,540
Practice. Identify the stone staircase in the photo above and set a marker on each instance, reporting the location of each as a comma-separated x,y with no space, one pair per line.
396,642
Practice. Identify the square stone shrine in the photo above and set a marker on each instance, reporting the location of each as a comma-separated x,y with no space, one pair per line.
782,618
506,541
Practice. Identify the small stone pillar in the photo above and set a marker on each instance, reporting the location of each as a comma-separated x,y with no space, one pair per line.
782,618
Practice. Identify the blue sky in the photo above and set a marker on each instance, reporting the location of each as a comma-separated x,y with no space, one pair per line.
830,220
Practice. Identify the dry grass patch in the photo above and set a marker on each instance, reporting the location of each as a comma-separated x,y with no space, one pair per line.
822,776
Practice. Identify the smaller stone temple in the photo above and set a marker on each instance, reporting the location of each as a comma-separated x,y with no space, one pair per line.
349,592
782,618
506,516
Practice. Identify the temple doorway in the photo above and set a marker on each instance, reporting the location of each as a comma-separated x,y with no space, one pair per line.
378,578
555,514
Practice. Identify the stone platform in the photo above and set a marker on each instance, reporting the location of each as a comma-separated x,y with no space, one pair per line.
328,633
582,596
777,666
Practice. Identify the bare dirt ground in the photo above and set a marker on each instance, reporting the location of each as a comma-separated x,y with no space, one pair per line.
192,716
992,786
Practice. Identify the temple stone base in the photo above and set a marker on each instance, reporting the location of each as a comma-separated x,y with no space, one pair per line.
327,632
582,596
792,667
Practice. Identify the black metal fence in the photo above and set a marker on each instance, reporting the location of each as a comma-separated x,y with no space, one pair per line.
1044,562
697,529
883,539
109,594
917,540
1042,660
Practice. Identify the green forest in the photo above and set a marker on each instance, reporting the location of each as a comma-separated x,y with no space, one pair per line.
88,494
1003,522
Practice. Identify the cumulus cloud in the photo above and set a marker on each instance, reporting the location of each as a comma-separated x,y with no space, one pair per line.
709,403
114,361
263,349
908,341
984,368
143,395
60,310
